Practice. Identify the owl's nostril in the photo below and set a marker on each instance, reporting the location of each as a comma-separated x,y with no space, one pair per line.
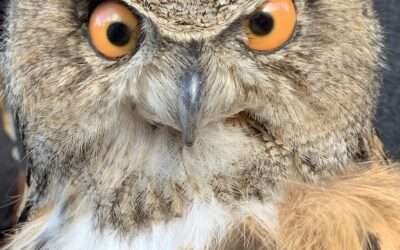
189,104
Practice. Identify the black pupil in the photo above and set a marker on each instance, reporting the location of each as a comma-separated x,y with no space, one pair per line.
262,23
119,34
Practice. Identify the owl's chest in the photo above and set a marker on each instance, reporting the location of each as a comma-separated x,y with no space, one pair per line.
201,227
149,177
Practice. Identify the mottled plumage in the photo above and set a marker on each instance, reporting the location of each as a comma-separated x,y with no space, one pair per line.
104,138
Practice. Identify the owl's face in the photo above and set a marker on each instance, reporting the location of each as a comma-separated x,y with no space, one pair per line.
305,69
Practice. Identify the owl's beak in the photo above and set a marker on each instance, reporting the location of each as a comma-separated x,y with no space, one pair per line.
189,105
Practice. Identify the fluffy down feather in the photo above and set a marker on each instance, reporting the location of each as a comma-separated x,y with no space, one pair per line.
357,210
354,211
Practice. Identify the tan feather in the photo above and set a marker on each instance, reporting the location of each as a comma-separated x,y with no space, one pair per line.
354,211
29,233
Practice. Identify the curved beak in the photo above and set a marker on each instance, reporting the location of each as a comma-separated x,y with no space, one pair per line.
189,105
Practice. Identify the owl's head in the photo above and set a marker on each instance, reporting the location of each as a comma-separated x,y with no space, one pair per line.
304,69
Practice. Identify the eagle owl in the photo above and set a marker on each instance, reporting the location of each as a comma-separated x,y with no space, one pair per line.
188,124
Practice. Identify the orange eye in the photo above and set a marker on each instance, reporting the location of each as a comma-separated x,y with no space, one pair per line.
272,26
114,30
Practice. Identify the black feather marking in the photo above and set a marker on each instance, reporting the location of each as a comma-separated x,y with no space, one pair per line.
372,242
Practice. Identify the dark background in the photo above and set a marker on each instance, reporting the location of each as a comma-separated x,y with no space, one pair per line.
388,116
387,120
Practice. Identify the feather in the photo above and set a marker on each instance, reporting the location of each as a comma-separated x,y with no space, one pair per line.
353,211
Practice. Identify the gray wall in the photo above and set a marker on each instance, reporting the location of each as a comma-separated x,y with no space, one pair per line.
388,117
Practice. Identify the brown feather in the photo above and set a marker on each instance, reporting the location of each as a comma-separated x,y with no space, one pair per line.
354,211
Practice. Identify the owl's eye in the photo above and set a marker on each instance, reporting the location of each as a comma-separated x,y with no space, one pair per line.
114,29
271,26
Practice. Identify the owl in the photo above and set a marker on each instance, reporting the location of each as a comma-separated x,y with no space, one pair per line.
187,124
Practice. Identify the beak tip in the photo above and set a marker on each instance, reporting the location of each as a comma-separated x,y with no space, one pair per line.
189,144
188,140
